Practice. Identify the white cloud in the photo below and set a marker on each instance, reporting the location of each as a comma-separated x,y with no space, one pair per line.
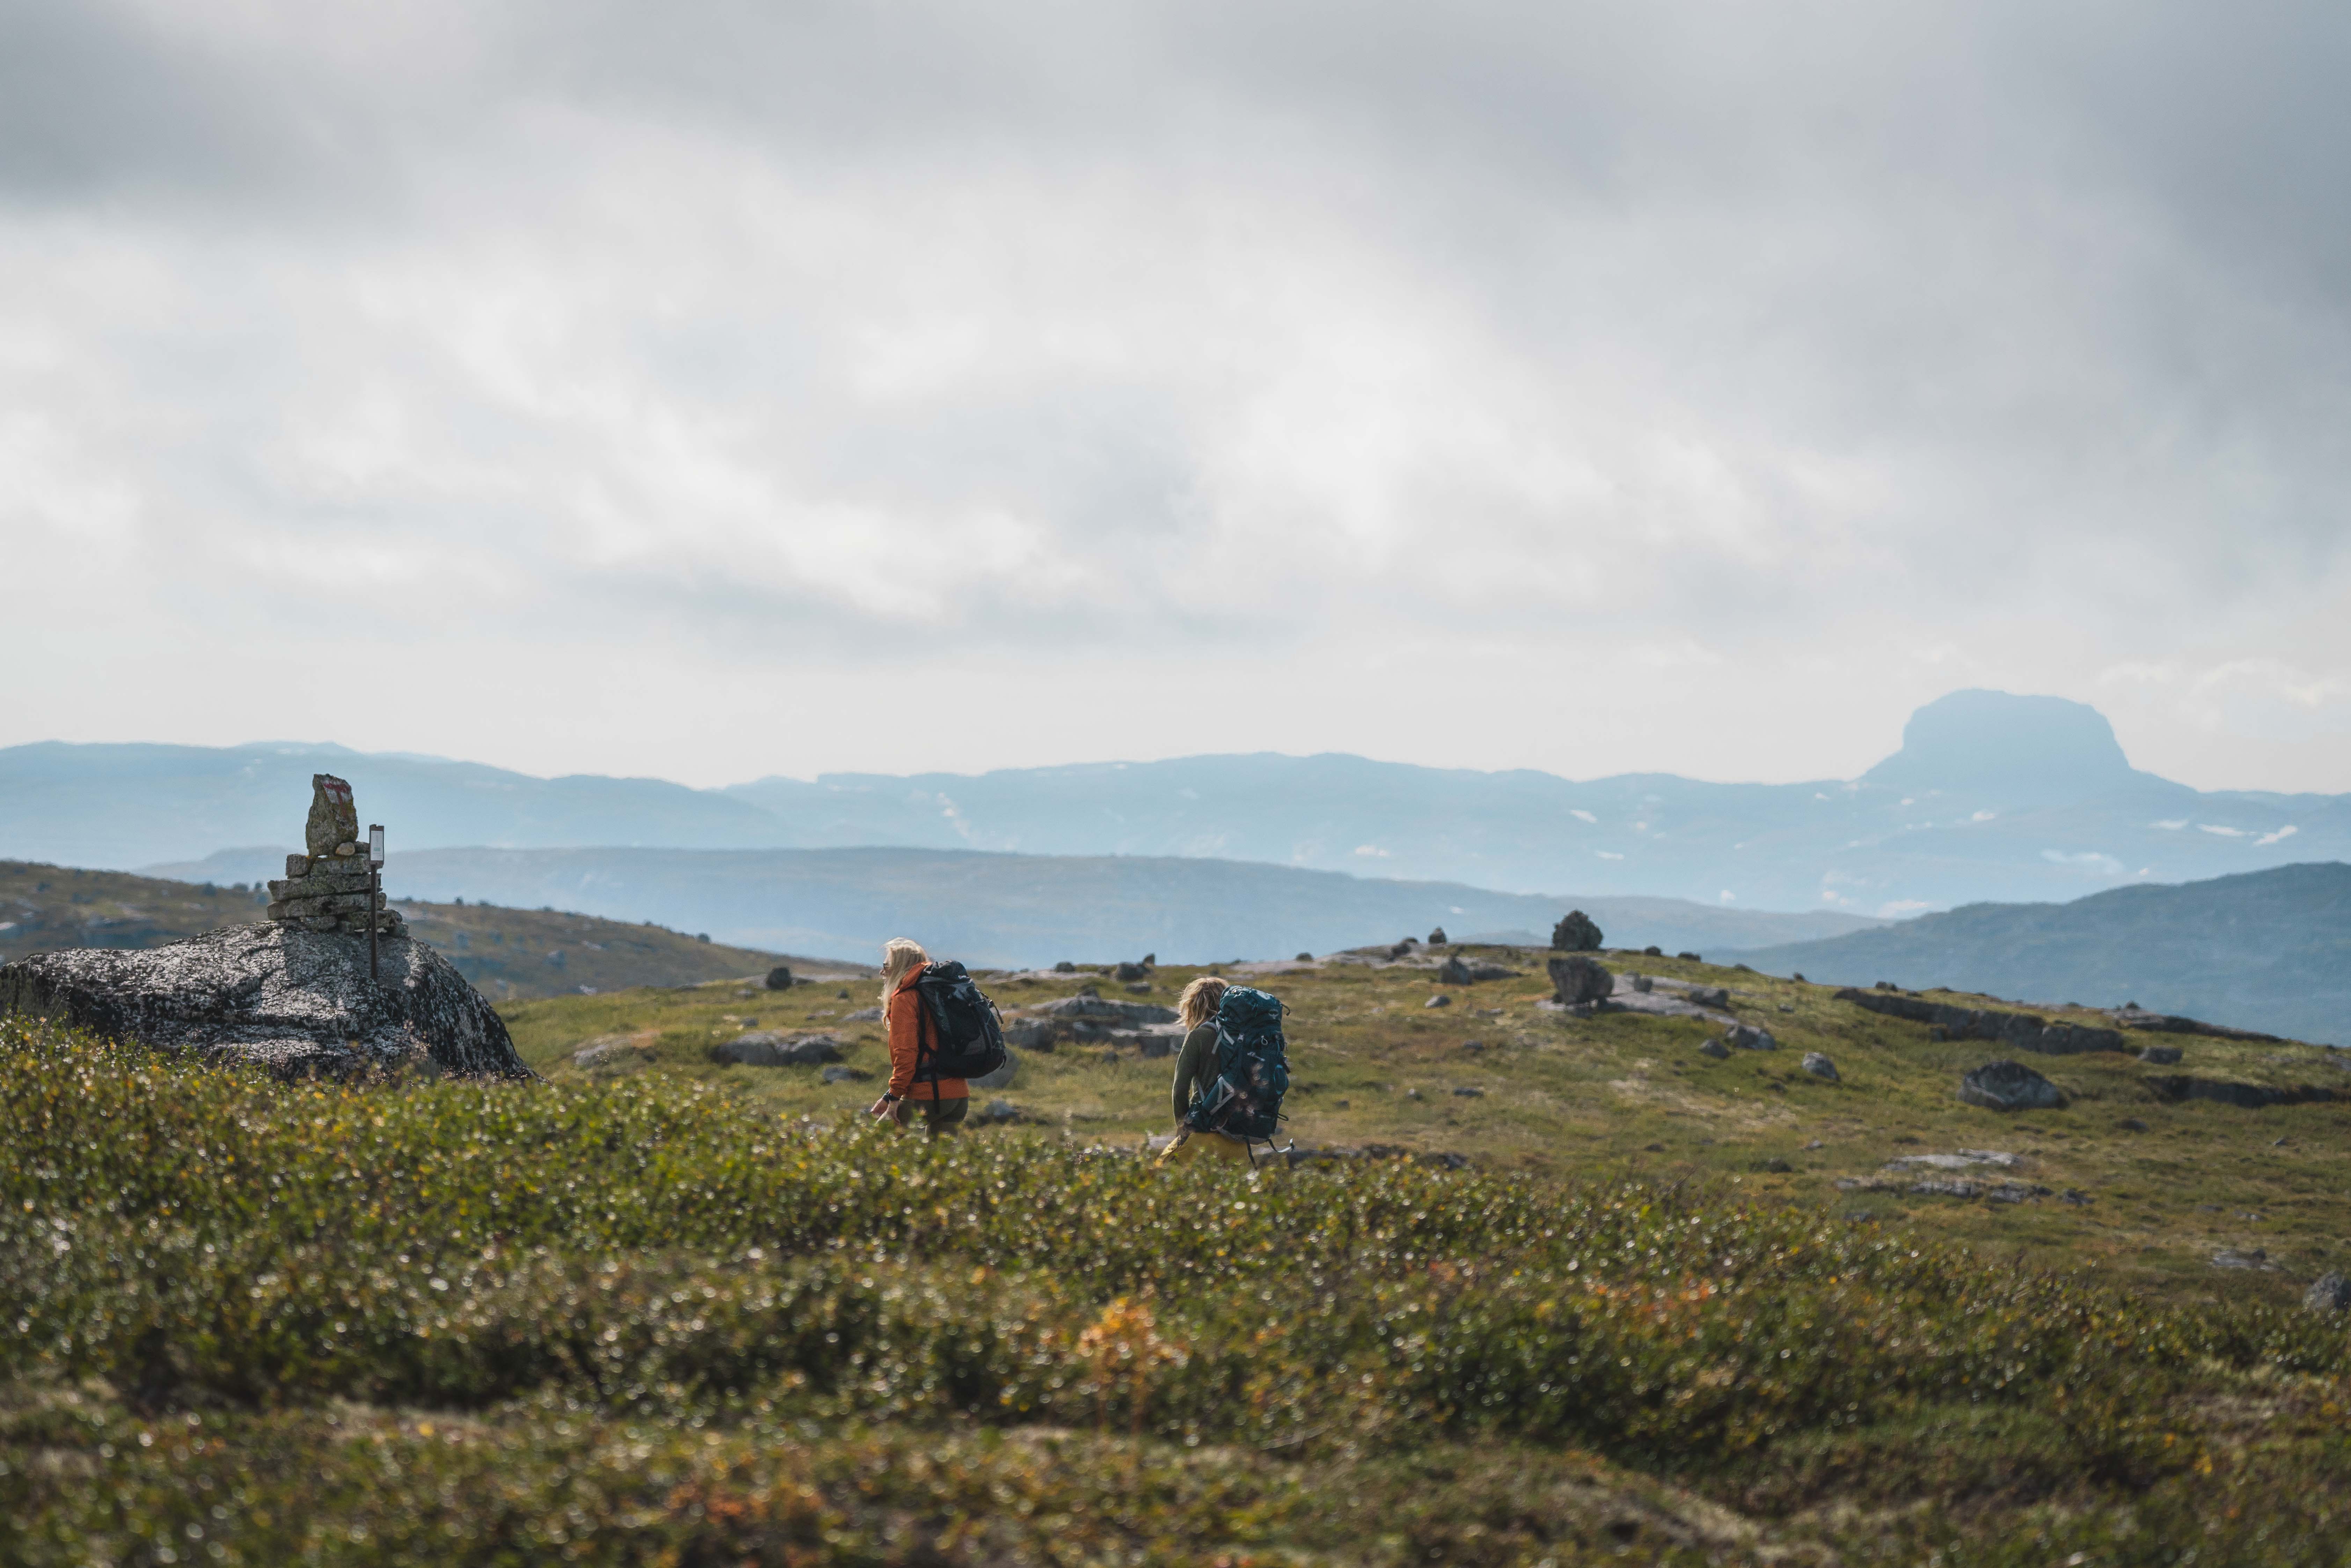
1584,815
628,374
2285,832
2221,831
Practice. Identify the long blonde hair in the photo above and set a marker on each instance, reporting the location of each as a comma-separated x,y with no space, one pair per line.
898,956
1199,1001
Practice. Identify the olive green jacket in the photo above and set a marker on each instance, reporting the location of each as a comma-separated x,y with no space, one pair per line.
1196,1066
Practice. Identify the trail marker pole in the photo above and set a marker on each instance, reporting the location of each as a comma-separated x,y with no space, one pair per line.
375,884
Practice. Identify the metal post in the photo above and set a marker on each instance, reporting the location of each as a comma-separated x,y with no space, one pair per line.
376,882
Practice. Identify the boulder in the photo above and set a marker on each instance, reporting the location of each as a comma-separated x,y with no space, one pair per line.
274,995
1439,1000
1132,972
1643,984
765,1048
1579,980
2175,1087
1820,1066
1305,958
2330,1293
780,978
1576,933
1065,968
1689,957
1714,996
2161,1055
1436,938
1031,1034
863,1015
2008,1087
846,1075
610,1051
1747,1036
1454,972
1131,1015
1714,1049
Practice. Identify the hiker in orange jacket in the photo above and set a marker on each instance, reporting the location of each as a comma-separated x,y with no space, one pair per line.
944,1100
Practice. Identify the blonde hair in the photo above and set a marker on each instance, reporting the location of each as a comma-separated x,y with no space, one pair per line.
1199,1001
899,955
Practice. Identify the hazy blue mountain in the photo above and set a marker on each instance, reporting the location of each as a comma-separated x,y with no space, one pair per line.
1989,797
2268,950
1019,909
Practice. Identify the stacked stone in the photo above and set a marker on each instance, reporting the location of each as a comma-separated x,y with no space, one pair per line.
327,889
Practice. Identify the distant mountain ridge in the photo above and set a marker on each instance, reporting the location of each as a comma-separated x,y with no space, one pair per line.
2268,950
1990,797
1006,909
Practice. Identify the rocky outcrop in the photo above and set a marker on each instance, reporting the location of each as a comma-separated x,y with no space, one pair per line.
2008,1087
2171,1023
766,1048
2019,1032
1581,981
1576,933
292,1000
2178,1086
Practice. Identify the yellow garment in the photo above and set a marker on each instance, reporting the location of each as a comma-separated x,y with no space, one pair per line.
1190,1146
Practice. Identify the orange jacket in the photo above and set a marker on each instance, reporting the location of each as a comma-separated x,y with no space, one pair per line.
910,1025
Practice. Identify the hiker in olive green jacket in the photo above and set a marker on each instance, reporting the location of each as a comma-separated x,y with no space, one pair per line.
1196,1069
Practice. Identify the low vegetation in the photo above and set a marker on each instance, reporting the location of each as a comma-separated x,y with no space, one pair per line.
666,1319
2157,1189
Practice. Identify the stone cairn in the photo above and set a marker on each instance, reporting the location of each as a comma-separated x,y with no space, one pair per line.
327,889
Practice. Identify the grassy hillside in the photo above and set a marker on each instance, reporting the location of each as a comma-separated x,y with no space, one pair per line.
2270,950
1495,1077
655,1322
509,954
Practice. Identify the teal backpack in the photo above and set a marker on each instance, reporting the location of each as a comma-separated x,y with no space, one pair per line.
1252,1069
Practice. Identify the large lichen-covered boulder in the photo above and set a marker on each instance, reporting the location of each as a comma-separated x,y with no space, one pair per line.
1576,933
294,1001
1581,981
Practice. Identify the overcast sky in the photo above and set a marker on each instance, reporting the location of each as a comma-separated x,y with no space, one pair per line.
716,390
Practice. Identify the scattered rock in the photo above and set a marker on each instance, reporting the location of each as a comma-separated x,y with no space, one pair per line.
1576,933
2255,1260
846,1074
1643,984
1031,1034
1747,1036
274,995
1689,957
780,978
1104,1010
1139,988
2161,1055
1653,952
1714,1049
765,1048
1579,980
1961,1160
2075,1199
2020,1031
1470,1092
1436,938
2008,1087
1439,1000
1653,1149
1787,1006
1820,1066
863,1015
1714,996
1798,977
1132,972
1065,968
1305,958
1453,972
2330,1293
997,1113
610,1051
